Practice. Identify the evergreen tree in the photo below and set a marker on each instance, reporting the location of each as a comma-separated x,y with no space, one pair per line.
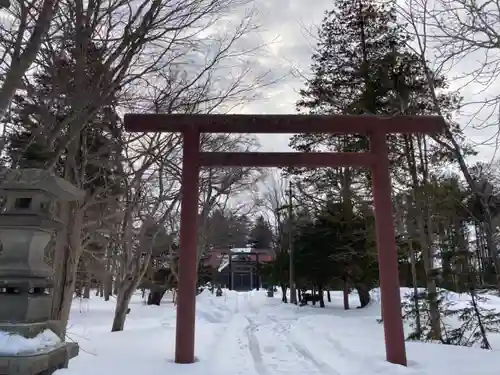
337,247
261,235
362,65
42,120
277,272
225,230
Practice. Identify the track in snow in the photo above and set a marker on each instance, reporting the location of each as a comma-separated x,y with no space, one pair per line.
257,343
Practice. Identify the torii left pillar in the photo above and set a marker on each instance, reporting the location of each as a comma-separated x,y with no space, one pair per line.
185,330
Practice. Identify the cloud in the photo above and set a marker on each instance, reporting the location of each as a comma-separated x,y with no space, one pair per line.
284,30
286,27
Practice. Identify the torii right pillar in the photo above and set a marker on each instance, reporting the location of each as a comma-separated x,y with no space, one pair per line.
387,251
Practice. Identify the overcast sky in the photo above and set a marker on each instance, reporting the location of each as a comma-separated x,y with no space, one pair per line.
285,27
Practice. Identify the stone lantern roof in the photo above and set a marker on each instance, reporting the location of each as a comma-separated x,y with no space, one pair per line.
39,180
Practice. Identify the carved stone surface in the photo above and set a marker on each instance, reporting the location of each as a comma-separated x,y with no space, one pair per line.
4,4
44,363
26,227
18,180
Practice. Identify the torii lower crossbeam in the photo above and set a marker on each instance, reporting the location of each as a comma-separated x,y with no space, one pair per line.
376,128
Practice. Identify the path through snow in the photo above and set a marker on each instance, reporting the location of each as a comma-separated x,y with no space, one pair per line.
250,334
262,342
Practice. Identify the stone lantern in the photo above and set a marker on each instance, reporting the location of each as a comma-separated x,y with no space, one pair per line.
4,4
26,227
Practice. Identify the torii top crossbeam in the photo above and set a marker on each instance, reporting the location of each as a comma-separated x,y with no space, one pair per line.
346,124
290,124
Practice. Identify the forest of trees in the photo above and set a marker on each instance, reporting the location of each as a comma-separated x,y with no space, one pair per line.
66,80
446,224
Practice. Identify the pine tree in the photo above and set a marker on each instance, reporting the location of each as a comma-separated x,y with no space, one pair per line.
362,65
226,230
261,235
337,247
46,114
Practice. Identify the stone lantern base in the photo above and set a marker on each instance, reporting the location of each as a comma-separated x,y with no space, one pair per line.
44,363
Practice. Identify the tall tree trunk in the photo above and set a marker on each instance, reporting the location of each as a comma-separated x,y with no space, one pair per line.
430,282
108,287
479,255
67,254
108,273
116,286
86,287
126,290
345,292
283,291
492,247
363,293
133,266
421,214
156,294
321,296
462,262
413,261
86,280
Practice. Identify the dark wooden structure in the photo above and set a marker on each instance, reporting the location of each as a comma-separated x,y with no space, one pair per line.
376,128
237,268
242,271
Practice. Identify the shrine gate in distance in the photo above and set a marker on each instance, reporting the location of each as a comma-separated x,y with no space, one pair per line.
374,127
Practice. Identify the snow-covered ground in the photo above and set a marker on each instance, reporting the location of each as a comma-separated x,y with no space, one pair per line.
250,334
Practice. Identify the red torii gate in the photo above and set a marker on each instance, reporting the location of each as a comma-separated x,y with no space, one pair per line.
376,128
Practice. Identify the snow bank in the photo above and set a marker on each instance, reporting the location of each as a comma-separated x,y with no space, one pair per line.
449,296
14,344
251,334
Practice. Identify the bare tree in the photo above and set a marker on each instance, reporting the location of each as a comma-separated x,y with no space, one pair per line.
273,199
217,185
146,48
148,202
463,35
420,17
21,35
154,41
121,51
